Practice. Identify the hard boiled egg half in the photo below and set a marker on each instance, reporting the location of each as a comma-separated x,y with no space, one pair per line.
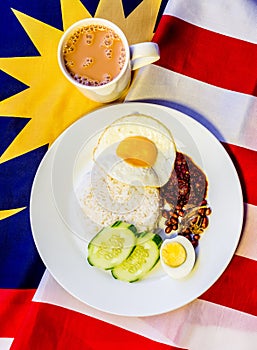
137,150
177,256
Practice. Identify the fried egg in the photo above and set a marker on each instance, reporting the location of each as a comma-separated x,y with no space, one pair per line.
177,257
137,150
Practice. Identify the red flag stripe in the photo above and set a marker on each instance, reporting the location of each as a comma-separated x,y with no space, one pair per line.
233,289
245,161
14,304
194,51
51,327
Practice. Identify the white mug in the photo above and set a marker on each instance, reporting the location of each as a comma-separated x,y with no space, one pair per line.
136,56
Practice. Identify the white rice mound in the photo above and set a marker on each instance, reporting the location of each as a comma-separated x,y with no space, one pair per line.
105,200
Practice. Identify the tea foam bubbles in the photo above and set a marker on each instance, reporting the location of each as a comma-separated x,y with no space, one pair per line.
94,55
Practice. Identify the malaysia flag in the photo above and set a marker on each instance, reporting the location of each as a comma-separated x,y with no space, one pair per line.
207,70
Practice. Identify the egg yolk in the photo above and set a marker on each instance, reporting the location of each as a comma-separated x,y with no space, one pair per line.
138,151
174,254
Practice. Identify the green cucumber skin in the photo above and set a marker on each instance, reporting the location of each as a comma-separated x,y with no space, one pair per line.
125,225
158,240
88,260
116,224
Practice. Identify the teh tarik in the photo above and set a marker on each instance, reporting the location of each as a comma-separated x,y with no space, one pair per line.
94,55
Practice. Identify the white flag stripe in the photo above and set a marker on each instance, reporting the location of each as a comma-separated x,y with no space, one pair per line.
222,111
242,14
223,338
204,325
6,343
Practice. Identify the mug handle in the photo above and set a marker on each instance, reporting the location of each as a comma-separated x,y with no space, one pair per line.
143,53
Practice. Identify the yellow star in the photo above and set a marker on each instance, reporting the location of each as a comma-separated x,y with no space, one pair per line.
6,213
51,102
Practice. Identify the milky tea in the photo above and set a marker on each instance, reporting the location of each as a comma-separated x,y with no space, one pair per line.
94,55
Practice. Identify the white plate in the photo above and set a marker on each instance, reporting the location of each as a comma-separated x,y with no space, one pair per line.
64,254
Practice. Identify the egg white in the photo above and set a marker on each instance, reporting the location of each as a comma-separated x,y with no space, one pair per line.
136,125
184,269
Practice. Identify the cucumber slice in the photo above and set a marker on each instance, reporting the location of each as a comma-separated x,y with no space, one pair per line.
112,245
144,257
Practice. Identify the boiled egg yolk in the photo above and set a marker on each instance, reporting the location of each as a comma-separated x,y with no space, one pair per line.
174,254
137,151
